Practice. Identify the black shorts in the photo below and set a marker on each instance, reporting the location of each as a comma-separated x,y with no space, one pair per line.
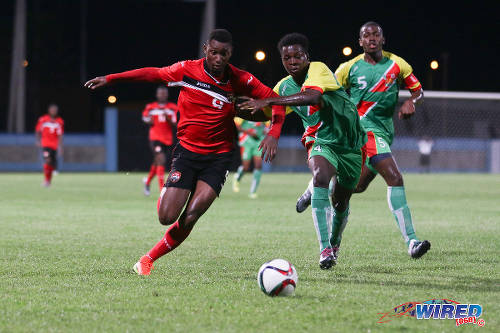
50,153
159,147
189,167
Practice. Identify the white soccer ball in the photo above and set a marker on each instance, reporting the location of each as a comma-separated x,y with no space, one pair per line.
277,277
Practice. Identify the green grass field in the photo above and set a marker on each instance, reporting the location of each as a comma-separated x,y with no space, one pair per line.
67,254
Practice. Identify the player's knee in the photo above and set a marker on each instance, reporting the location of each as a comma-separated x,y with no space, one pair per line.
320,179
396,179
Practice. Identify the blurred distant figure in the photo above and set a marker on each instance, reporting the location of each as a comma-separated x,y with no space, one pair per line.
425,148
49,131
162,118
250,136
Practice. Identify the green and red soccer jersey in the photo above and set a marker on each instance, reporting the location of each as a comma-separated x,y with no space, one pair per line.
250,135
250,130
335,122
375,89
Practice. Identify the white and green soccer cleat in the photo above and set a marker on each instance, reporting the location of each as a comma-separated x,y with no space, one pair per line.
416,249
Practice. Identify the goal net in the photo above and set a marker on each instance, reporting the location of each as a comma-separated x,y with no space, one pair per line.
462,128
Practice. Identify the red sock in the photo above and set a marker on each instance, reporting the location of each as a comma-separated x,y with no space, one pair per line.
174,236
160,172
47,171
151,175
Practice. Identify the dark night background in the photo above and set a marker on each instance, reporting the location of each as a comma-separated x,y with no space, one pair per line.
127,34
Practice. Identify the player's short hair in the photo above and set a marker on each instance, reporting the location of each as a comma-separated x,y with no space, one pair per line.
221,35
52,105
371,23
294,38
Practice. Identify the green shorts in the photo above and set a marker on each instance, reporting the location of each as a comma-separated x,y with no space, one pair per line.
347,162
376,144
249,149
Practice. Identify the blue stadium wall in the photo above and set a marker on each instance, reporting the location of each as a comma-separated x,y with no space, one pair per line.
125,148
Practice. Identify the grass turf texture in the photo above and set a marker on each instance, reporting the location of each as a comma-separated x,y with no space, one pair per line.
67,254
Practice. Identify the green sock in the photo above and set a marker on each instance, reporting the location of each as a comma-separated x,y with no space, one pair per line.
321,213
338,226
239,173
396,198
255,180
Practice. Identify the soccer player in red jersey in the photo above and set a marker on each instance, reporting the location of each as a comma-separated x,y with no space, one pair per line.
49,130
205,131
162,117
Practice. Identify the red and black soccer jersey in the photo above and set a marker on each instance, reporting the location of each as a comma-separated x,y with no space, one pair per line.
205,104
50,130
163,116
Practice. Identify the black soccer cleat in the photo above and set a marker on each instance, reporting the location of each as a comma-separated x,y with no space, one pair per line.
416,249
303,201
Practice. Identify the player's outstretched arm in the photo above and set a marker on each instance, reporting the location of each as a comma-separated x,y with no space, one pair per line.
147,74
407,110
306,97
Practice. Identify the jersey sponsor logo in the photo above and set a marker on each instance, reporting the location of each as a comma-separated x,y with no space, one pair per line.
175,176
204,85
249,80
207,88
387,79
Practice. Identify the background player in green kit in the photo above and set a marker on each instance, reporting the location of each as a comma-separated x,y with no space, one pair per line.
250,135
373,79
333,137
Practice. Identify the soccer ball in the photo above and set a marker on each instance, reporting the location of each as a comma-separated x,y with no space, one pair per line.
277,277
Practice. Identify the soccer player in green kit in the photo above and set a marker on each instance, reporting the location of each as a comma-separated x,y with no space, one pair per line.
333,137
250,135
373,79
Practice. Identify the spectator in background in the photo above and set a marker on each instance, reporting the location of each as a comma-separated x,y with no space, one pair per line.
425,148
49,130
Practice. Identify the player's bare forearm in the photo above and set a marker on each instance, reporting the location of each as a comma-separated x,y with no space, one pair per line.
306,97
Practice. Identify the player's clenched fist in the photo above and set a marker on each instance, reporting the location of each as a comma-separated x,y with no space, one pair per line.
97,82
407,110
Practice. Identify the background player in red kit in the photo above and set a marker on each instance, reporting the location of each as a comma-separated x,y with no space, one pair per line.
205,131
162,117
49,130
